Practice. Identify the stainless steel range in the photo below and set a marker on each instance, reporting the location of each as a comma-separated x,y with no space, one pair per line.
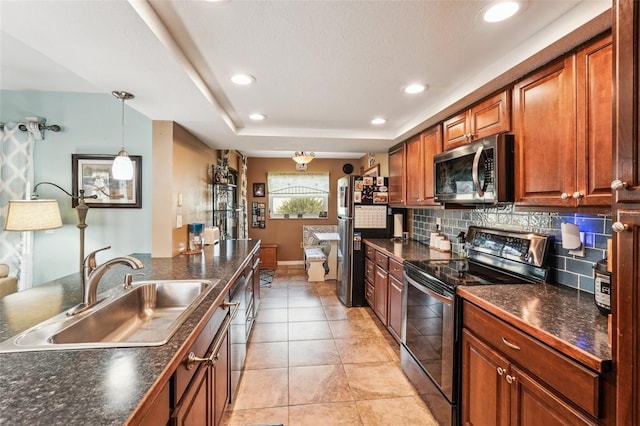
430,352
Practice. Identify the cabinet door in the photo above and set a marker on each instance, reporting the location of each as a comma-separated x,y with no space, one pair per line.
532,404
395,307
456,131
396,177
626,304
485,392
222,383
380,299
627,100
431,145
415,167
195,406
544,128
491,116
595,122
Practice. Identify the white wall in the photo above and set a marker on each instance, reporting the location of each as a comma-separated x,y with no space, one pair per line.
90,125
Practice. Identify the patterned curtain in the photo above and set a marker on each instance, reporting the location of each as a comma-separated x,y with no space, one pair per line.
16,179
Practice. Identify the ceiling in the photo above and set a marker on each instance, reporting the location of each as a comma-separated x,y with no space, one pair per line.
323,69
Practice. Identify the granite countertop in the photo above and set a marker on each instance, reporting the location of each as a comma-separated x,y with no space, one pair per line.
101,386
408,250
562,317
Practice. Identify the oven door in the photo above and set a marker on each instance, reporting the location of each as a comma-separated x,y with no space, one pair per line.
428,330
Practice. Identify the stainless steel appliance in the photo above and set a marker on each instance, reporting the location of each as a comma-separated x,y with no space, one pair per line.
362,213
480,172
431,329
602,287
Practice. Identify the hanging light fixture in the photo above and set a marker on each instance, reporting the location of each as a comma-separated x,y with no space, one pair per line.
122,168
302,157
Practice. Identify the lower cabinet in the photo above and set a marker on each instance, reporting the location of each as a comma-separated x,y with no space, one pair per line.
509,378
383,288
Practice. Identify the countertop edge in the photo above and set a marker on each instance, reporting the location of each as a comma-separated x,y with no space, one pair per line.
566,349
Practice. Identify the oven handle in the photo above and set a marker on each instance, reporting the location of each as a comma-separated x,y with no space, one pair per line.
444,299
474,171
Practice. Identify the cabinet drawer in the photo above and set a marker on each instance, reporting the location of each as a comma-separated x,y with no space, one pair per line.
382,260
369,252
571,380
395,269
369,292
369,270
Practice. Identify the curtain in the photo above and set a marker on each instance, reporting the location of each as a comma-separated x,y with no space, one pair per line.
16,180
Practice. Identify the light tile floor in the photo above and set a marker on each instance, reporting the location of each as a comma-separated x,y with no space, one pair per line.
312,361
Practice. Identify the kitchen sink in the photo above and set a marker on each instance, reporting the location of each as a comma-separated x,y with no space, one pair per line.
148,314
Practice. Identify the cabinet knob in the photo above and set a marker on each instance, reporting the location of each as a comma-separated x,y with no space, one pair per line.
510,379
619,227
577,195
617,185
501,371
565,196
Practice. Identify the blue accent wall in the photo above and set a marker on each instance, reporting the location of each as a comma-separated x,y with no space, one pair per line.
91,124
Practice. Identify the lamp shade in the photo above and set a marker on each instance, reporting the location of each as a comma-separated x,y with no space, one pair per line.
122,168
32,215
301,157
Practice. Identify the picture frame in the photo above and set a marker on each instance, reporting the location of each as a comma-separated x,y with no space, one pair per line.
258,190
92,173
372,171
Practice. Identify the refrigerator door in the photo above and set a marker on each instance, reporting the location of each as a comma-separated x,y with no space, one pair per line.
345,256
345,196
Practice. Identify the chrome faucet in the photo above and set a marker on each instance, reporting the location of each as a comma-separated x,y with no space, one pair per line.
91,275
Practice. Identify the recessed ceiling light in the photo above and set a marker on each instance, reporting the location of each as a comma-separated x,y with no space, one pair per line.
256,116
378,121
243,79
501,10
415,88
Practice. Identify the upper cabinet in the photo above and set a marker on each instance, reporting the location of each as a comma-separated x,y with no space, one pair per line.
489,117
562,126
397,176
420,151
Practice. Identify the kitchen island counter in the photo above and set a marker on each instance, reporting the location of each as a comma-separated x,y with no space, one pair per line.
103,386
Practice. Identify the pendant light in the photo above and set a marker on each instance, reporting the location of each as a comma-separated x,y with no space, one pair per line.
122,168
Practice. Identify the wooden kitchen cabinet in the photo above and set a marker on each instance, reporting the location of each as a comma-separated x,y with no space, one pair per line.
395,308
201,390
420,151
268,256
369,277
397,167
380,288
257,262
562,127
509,377
626,242
487,118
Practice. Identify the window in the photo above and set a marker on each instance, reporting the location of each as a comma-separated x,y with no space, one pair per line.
299,196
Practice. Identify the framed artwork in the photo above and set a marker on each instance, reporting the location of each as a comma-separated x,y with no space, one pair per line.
372,171
92,173
258,189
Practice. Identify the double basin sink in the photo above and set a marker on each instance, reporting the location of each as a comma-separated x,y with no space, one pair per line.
147,314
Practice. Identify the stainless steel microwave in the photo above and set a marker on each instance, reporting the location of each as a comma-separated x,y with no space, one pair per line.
476,173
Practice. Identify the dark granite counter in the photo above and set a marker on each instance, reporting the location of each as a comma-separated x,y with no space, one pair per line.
563,318
101,386
408,250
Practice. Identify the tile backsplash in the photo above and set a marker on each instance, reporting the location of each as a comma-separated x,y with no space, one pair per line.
570,270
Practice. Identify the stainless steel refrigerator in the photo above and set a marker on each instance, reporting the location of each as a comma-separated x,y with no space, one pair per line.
363,212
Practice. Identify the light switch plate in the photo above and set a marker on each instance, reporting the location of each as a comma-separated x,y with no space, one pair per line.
179,221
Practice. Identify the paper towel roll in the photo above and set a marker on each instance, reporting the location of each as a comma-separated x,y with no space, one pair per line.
570,236
397,225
